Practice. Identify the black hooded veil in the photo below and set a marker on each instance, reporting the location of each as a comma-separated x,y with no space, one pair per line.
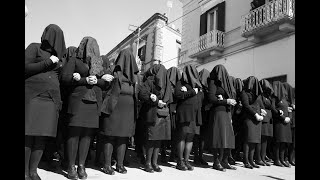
174,75
204,74
252,85
290,93
190,76
220,74
279,90
125,66
266,87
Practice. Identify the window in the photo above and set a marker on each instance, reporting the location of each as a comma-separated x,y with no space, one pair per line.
142,53
282,78
213,19
179,55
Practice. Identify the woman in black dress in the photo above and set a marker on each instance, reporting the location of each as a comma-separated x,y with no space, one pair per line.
42,95
83,74
119,110
222,96
281,126
267,125
155,95
237,121
291,111
253,115
174,76
188,122
199,140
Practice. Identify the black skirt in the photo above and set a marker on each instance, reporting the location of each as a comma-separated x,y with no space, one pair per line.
252,130
41,117
121,122
87,116
282,131
221,133
267,126
160,130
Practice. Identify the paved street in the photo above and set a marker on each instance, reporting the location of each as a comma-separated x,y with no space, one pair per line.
136,172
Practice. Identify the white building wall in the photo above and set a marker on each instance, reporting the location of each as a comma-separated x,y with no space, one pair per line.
269,60
170,48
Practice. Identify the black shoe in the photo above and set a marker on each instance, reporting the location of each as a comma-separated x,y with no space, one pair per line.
203,162
148,168
218,167
292,163
82,172
285,163
72,173
34,176
278,163
266,163
188,165
231,161
181,166
254,165
247,165
108,170
227,166
261,163
156,168
121,169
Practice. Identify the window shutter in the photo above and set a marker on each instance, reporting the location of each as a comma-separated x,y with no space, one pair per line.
203,24
221,16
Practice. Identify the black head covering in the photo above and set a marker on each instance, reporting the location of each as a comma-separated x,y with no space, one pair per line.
127,64
238,85
290,92
52,40
219,73
106,63
266,86
190,76
233,81
279,90
161,80
252,85
88,51
174,75
204,75
71,51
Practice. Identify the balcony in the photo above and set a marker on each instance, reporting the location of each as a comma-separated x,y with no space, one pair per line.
210,44
276,16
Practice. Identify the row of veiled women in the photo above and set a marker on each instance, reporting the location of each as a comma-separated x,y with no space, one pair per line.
77,92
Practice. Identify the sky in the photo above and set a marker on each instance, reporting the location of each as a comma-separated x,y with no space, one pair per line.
105,20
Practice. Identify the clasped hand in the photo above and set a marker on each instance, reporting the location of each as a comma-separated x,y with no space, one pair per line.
92,80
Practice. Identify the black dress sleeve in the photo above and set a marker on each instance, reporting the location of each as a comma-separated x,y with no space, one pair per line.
31,67
67,74
145,92
245,103
212,95
181,94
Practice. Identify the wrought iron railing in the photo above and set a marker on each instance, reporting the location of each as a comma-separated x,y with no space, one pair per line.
213,38
267,14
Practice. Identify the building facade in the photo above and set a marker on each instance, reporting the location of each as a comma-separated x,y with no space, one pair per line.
248,41
158,43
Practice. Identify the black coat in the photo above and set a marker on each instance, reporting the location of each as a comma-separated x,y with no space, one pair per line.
80,88
187,104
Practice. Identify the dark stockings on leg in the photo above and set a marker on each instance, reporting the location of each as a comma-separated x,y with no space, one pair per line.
34,146
264,143
121,143
84,146
277,155
283,147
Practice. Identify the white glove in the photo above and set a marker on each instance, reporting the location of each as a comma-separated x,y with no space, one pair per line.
76,76
54,59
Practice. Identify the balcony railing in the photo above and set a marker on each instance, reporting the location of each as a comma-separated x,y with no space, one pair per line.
272,12
210,41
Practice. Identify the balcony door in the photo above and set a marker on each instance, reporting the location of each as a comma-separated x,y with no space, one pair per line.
212,18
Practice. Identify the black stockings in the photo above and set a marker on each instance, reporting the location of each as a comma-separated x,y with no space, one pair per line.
111,142
152,150
248,152
33,150
184,146
78,137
